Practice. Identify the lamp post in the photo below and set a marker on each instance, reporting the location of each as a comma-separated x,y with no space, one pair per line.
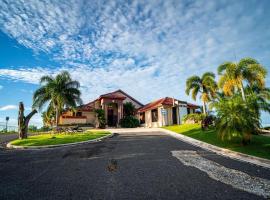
7,118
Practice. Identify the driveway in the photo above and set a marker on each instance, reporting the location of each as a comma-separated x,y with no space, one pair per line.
148,165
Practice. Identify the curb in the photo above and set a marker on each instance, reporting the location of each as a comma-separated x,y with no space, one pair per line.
10,146
221,151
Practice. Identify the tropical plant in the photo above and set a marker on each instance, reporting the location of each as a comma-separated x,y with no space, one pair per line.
205,85
129,109
195,117
236,118
58,92
48,118
259,99
129,122
233,75
101,118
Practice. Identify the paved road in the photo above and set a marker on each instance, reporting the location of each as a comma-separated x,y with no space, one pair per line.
5,138
145,169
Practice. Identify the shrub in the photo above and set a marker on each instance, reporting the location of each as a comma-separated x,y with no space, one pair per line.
129,109
101,118
236,118
195,117
129,122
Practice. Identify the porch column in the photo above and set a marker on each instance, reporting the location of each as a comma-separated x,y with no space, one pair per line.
120,112
104,107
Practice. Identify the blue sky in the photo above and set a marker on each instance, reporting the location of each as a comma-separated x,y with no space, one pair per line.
146,48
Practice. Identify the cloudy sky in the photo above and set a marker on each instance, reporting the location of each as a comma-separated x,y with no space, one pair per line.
146,48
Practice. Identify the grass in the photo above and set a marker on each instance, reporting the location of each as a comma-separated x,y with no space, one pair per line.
63,138
259,146
6,133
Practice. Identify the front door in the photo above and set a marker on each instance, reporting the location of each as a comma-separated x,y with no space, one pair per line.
110,117
174,115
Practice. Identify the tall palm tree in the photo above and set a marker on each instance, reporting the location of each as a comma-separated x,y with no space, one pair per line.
58,92
233,76
205,85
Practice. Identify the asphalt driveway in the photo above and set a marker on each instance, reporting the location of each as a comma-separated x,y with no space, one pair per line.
127,166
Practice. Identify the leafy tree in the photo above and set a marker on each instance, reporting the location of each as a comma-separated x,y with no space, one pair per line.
233,75
205,85
129,109
58,92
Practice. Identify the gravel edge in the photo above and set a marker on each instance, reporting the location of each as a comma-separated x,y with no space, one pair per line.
220,151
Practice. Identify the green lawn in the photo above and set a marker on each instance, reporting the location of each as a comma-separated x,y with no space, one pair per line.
260,145
63,138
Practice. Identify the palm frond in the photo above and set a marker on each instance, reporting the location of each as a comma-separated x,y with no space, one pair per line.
221,68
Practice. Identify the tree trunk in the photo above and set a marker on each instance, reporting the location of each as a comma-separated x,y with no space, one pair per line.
242,92
204,108
57,117
23,121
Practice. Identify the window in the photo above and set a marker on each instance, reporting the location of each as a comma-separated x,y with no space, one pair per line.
142,118
188,110
154,114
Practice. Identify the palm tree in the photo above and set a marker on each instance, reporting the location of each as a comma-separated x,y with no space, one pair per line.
205,85
58,92
260,98
48,117
236,118
233,76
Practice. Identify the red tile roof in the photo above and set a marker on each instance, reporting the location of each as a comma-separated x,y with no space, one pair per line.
87,107
190,105
164,101
112,95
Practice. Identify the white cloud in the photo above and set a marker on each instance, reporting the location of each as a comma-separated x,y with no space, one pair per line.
145,48
8,107
1,87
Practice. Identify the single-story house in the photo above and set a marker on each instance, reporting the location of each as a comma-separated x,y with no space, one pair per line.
111,103
162,112
165,111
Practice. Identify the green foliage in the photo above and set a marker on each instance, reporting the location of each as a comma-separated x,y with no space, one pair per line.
241,97
58,92
205,85
236,118
196,117
233,75
101,118
259,145
63,138
32,128
129,122
129,109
